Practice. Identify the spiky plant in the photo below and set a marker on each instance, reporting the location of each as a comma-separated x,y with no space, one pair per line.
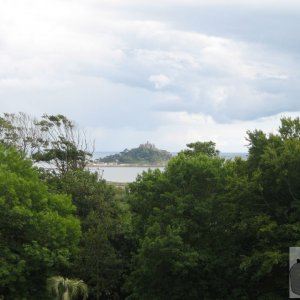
67,289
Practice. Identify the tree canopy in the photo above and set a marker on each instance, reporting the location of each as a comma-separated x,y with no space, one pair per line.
39,233
204,228
208,228
53,139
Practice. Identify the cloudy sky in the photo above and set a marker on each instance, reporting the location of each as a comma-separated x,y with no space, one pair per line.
167,71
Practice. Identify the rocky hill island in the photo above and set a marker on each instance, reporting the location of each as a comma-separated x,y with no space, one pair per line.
145,154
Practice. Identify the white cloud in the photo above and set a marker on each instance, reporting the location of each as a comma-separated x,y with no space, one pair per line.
160,81
181,128
270,4
113,67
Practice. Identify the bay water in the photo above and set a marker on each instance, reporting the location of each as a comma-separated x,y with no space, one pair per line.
123,174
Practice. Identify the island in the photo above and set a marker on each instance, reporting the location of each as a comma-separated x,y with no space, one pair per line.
145,154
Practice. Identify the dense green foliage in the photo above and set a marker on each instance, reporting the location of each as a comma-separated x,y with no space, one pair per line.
173,221
100,261
96,253
144,154
205,228
213,229
38,232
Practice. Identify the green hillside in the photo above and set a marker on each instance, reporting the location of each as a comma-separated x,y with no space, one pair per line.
144,154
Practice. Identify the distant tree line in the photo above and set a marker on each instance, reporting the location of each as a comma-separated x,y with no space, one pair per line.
205,228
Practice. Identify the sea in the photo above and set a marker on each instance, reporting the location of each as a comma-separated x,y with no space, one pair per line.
126,174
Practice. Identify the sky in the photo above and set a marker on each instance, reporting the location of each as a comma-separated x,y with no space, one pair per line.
166,71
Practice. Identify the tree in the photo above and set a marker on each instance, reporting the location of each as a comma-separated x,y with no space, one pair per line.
208,148
271,219
53,139
215,229
290,128
63,145
173,225
38,232
20,130
67,289
102,259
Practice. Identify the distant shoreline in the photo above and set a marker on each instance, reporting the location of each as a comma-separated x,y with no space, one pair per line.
94,164
99,165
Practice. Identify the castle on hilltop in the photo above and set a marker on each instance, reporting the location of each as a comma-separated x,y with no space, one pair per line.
148,145
144,154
